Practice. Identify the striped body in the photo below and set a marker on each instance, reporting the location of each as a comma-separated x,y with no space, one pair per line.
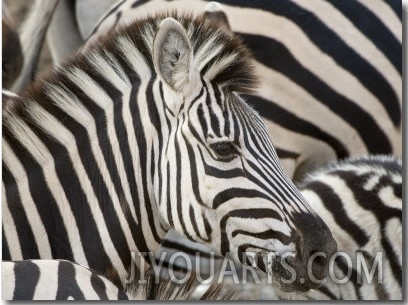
142,133
54,280
330,72
64,280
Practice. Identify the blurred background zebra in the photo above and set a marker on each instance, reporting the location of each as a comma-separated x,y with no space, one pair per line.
361,201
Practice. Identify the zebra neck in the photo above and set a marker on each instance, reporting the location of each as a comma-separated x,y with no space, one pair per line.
83,137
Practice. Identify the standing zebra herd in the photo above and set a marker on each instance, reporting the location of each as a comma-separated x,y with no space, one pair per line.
155,136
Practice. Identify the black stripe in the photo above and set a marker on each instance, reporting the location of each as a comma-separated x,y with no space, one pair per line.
236,193
323,289
214,123
178,184
286,154
4,246
194,222
169,207
268,234
255,213
28,245
220,102
99,287
202,120
27,275
207,226
284,186
138,3
67,284
334,205
193,171
374,29
273,112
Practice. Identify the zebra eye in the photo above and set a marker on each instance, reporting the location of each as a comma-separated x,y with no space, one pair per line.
224,149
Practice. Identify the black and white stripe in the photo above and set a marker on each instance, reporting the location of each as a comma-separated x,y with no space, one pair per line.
54,280
361,201
142,133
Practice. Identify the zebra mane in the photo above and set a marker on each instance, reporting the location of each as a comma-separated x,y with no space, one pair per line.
167,289
219,54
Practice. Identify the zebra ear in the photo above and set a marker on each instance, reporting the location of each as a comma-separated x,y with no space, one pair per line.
172,55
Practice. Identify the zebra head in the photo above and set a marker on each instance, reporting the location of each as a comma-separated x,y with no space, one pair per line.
218,180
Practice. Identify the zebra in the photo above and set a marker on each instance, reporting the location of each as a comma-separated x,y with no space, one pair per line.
146,132
330,71
48,279
361,201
